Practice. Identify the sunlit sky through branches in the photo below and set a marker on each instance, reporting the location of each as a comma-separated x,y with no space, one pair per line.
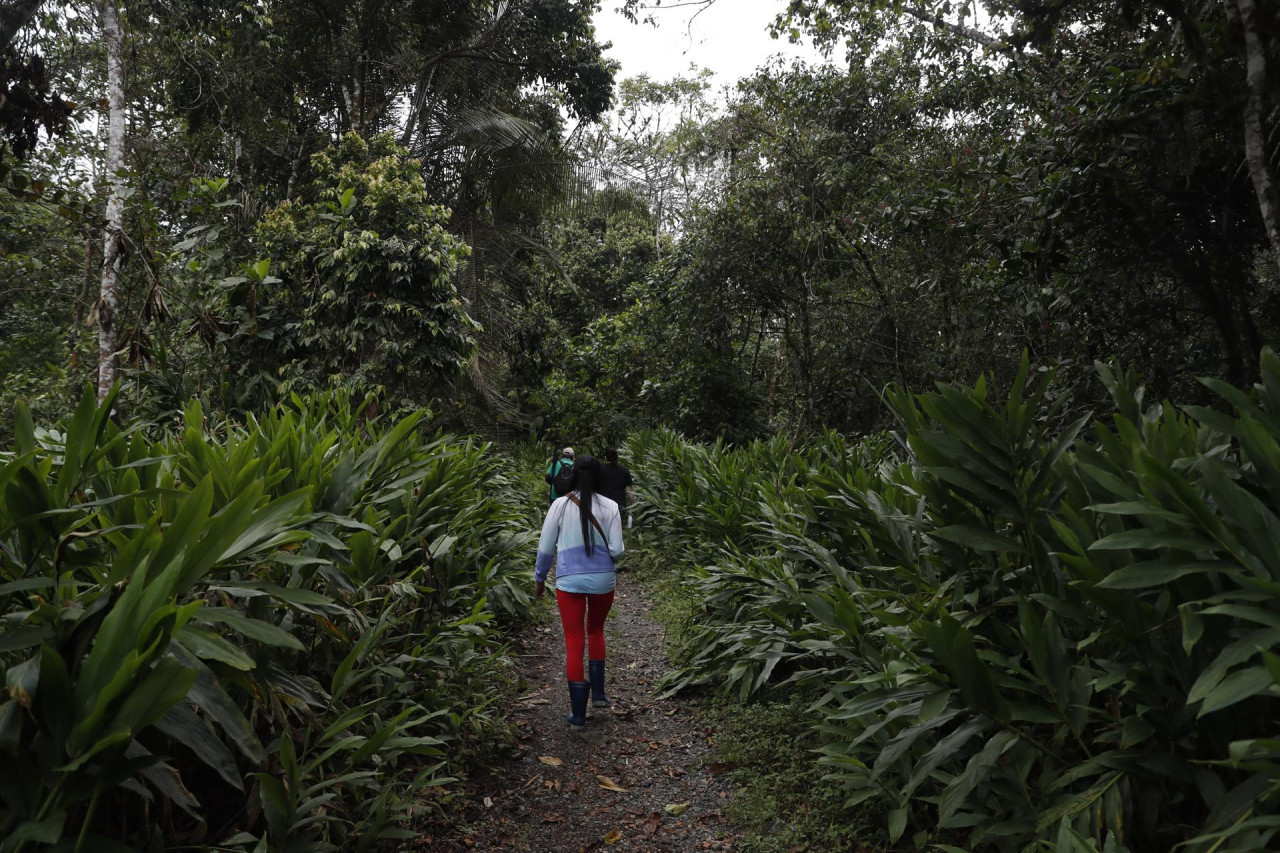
729,37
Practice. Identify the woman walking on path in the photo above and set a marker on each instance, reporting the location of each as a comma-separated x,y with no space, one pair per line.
583,534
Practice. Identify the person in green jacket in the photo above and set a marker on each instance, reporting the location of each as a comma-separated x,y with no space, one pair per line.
559,474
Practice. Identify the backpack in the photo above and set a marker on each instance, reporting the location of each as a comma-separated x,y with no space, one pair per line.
562,482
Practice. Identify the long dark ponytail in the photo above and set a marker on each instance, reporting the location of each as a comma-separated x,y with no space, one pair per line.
586,474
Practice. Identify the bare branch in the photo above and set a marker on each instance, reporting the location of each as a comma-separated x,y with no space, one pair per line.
14,16
961,30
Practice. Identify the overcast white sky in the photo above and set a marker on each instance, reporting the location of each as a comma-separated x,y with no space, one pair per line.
731,38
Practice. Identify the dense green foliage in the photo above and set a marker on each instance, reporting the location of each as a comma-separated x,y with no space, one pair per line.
1063,178
765,747
43,289
1068,182
236,151
238,607
1019,628
366,291
267,636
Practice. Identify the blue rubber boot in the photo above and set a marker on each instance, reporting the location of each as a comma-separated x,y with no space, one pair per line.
578,693
596,670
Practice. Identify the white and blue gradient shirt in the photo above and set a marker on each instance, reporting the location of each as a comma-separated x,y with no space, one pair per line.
577,571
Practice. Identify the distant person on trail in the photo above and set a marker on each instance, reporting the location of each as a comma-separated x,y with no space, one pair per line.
559,474
615,481
583,534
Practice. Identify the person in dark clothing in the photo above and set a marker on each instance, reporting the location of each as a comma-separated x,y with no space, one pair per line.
615,480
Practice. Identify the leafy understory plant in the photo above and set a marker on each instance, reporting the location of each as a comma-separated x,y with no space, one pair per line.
244,634
1027,633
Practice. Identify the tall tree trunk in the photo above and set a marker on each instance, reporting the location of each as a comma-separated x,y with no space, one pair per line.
294,168
1255,137
113,234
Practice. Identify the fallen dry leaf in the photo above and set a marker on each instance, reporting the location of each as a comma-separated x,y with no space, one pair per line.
675,809
610,785
550,759
553,818
613,837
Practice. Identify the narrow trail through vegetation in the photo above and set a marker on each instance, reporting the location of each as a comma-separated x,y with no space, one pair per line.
641,777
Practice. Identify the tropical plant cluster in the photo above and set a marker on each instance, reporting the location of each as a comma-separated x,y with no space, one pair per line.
1021,630
276,635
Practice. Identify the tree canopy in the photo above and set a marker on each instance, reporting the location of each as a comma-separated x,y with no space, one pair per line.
1077,181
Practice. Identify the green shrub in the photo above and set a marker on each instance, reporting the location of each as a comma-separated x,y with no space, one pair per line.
778,799
1026,639
366,295
263,635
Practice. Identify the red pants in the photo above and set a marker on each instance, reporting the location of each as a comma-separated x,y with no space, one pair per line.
575,608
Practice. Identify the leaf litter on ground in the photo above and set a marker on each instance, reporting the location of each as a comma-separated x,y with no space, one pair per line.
610,785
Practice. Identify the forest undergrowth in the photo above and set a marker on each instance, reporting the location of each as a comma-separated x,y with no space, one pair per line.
996,629
766,746
286,633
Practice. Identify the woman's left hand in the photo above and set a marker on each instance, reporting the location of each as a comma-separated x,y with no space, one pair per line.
539,589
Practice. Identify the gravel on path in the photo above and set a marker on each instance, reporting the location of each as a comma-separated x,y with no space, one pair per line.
639,778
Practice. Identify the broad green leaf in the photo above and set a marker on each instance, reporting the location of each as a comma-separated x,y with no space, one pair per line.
185,727
153,696
114,736
254,629
978,539
46,830
1231,656
207,644
1236,687
1152,540
24,429
215,704
897,823
1159,572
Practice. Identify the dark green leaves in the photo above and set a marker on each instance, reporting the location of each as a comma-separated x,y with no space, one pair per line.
953,647
1024,638
176,597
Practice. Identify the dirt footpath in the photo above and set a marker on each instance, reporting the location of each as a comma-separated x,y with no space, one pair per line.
639,778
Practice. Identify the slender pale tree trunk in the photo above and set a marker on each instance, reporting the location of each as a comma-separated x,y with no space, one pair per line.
1255,137
113,234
